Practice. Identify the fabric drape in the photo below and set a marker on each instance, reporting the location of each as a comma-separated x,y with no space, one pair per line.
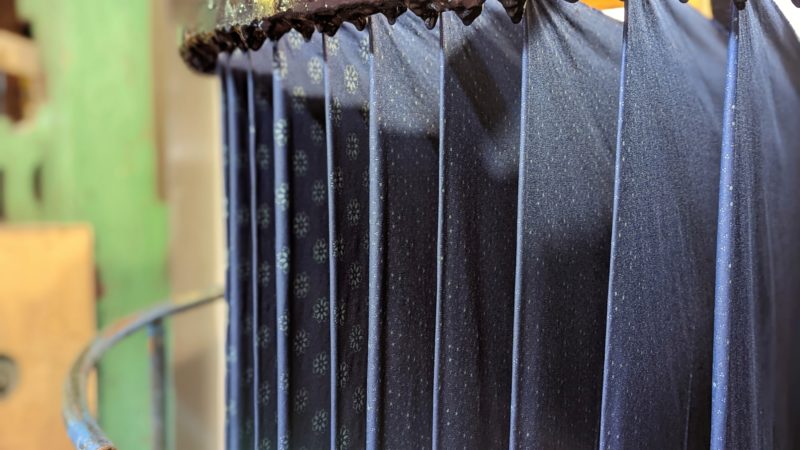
755,398
662,248
566,233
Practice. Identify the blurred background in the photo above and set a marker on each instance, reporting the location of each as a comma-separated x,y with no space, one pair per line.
110,201
111,196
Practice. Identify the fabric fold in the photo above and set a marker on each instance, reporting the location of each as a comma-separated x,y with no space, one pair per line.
263,191
570,97
403,196
347,141
754,397
656,386
301,221
239,352
478,155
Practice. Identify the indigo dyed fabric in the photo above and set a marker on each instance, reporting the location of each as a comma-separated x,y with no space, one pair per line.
563,234
346,79
263,191
301,221
656,385
478,154
239,351
403,146
755,395
571,87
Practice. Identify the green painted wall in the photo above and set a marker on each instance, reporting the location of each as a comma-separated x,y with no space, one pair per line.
95,142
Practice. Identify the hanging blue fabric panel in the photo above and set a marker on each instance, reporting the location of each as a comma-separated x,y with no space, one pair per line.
656,385
404,95
756,318
346,82
479,148
571,87
239,350
263,191
301,216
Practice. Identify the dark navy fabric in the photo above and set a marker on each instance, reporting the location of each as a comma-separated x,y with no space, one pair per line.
403,146
756,371
478,153
570,93
347,141
656,386
516,236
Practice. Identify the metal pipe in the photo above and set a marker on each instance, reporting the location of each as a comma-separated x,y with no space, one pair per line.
82,428
158,399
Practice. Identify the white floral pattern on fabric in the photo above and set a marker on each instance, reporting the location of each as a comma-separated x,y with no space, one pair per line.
298,99
302,283
264,394
301,225
363,49
280,65
353,212
350,79
300,162
359,397
317,134
319,422
295,39
283,323
320,363
282,197
336,111
318,192
320,310
356,338
320,251
343,374
263,156
343,438
300,399
283,260
264,216
354,275
264,336
332,45
337,181
301,342
352,146
315,70
264,273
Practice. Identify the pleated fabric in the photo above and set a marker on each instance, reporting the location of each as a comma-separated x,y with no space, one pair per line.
239,349
403,149
570,92
263,191
755,374
346,79
656,385
565,234
478,160
301,221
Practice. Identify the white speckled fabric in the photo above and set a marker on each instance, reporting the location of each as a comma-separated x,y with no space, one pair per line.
570,233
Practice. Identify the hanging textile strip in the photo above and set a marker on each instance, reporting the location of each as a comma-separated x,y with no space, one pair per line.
566,177
478,160
755,393
657,373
